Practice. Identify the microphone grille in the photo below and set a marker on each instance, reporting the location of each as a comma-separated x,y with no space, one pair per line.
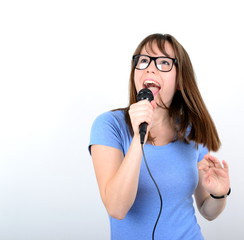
144,93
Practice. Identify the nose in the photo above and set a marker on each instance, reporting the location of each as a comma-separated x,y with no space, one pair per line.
152,67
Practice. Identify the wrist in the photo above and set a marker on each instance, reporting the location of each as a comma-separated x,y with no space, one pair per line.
137,138
223,196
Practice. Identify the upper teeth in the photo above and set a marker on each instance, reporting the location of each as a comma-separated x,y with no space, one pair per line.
147,82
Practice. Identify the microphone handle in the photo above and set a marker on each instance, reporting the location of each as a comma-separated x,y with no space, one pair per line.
143,131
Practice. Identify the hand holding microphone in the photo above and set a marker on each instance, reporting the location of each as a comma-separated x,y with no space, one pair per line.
141,113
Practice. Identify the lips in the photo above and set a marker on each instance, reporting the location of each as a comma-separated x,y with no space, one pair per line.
153,85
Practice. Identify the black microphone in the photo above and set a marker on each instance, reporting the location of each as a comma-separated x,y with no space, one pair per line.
144,93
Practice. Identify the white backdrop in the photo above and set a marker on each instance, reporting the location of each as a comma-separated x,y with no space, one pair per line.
64,62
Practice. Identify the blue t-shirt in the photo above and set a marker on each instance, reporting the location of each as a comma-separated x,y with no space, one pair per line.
174,168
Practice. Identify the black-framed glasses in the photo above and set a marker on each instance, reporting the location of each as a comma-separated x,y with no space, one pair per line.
163,64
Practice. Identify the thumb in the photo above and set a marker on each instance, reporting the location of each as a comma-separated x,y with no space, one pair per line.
153,103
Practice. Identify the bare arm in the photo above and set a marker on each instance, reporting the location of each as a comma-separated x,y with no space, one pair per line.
209,207
118,175
213,178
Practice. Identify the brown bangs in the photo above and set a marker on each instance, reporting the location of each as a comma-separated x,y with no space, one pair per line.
148,43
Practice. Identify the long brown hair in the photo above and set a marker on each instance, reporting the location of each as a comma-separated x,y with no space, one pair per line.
187,108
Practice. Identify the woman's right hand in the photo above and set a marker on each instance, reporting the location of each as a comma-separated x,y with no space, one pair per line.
140,112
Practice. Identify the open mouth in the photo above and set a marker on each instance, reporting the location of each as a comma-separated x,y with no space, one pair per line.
153,86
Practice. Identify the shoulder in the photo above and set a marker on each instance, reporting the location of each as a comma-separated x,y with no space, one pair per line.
200,148
110,129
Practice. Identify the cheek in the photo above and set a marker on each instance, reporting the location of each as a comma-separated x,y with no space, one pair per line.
172,82
137,77
168,91
169,81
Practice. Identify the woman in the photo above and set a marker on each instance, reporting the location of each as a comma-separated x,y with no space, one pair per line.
179,136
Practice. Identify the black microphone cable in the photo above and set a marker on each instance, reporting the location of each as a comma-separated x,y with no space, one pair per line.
161,200
146,93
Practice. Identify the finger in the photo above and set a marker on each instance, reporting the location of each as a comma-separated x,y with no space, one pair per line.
208,161
153,103
203,169
214,161
203,162
140,105
203,165
226,167
206,155
220,173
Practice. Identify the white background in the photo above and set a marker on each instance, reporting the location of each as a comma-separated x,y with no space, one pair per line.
64,62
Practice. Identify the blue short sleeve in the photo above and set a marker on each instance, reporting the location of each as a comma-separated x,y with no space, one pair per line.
201,152
106,130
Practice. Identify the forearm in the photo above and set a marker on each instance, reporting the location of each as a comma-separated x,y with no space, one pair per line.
121,190
211,208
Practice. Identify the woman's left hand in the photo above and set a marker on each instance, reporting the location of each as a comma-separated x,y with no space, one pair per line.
214,177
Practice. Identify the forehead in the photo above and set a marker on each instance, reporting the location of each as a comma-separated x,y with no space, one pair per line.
154,49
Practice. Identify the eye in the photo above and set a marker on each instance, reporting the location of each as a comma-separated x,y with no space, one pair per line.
164,62
143,60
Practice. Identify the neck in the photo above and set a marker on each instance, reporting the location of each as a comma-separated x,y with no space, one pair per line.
162,129
161,118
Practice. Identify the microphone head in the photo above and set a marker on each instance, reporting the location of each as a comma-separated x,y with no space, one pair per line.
144,93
